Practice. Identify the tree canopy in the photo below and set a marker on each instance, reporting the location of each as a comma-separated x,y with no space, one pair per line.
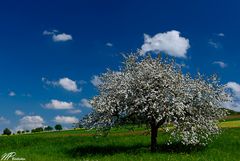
58,127
6,131
48,128
38,129
156,92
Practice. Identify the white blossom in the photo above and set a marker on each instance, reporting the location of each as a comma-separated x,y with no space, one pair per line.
154,91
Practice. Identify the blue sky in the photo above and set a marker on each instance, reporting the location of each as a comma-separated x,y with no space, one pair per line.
51,51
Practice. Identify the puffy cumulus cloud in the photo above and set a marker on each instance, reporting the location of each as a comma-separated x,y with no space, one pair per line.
57,37
19,113
65,83
69,84
220,63
234,86
169,42
30,122
3,120
96,81
65,119
74,111
85,103
234,102
12,93
62,37
59,105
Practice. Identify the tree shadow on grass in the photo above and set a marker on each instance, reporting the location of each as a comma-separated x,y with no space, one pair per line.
83,151
179,148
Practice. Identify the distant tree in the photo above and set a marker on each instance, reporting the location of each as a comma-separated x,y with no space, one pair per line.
48,128
58,127
23,132
6,131
155,91
27,131
39,129
18,132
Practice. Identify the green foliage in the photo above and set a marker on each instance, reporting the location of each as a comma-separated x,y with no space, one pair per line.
6,131
39,129
58,127
48,128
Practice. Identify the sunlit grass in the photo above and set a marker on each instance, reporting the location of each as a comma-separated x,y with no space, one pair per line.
230,124
121,144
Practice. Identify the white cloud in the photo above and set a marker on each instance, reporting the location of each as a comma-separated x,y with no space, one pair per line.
220,63
19,113
61,37
169,42
109,44
96,81
46,32
59,105
74,111
85,103
48,82
3,120
234,86
234,104
12,93
221,34
214,44
65,119
68,84
30,122
57,37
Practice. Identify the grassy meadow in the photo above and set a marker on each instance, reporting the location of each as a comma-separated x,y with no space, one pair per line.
120,144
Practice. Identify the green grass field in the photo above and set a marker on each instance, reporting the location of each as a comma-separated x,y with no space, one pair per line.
121,144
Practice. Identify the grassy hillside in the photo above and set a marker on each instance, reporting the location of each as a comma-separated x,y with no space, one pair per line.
232,112
120,145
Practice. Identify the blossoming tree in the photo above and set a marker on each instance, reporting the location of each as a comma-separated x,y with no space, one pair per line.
154,91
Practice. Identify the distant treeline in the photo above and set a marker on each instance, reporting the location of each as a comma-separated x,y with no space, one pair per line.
57,127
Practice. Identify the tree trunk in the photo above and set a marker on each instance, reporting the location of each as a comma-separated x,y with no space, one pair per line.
154,132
